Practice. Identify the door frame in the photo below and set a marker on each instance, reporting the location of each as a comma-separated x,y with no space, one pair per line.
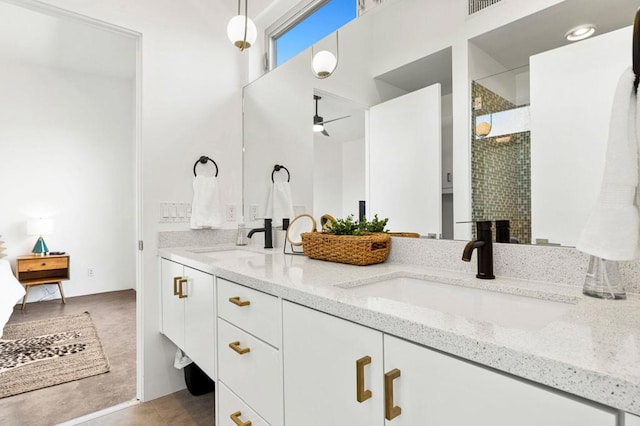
58,12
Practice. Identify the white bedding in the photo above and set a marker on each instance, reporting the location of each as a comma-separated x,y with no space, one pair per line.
10,293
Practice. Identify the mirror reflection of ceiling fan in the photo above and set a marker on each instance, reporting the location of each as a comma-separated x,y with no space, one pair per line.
319,122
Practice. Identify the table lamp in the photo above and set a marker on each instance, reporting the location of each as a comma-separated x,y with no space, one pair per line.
40,227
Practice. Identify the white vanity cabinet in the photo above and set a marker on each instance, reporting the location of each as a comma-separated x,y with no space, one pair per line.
404,383
188,312
250,360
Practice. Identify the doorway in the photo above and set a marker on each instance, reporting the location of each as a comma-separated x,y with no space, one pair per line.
70,152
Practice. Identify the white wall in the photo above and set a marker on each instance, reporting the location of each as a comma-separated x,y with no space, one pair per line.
191,106
66,153
338,176
353,176
572,90
328,178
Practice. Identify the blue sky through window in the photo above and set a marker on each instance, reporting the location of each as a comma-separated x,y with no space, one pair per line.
325,20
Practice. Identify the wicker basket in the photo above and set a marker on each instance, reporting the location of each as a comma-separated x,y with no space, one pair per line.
404,234
354,250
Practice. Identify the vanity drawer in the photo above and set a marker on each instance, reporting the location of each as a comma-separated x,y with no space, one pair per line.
229,406
252,371
258,313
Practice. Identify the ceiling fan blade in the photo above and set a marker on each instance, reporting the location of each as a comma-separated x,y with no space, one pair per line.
324,132
336,119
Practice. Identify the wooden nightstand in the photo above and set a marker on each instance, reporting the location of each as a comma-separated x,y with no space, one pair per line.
37,270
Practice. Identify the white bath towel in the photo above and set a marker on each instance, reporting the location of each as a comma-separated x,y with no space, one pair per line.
206,209
10,293
280,203
613,229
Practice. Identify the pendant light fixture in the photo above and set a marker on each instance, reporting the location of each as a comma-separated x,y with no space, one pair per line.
241,30
324,63
484,128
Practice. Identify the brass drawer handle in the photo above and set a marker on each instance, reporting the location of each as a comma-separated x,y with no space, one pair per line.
175,285
390,411
236,347
181,295
362,394
236,301
237,421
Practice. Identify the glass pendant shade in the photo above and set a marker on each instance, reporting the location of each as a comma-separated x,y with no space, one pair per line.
483,129
318,128
324,64
235,32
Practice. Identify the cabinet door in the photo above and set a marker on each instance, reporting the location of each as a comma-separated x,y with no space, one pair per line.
436,389
199,323
320,370
172,306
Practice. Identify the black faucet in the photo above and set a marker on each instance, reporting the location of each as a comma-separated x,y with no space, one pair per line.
268,232
484,244
503,231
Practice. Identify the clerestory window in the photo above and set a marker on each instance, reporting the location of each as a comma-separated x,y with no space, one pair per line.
312,23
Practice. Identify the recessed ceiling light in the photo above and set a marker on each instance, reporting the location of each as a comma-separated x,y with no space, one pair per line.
580,33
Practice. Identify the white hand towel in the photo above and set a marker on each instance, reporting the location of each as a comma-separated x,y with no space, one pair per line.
613,229
206,209
280,202
10,292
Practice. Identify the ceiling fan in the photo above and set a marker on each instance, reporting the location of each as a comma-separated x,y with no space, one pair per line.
319,122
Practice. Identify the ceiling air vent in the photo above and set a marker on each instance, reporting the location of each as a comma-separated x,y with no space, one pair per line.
478,5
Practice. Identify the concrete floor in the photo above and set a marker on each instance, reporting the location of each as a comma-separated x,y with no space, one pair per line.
114,315
180,408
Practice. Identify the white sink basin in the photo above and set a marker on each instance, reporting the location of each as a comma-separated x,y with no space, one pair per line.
229,254
489,306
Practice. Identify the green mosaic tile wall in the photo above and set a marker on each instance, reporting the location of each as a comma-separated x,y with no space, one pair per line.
501,172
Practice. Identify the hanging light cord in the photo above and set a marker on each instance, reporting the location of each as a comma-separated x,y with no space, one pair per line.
246,23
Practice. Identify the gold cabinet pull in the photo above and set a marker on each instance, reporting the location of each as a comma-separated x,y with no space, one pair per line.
236,347
362,394
236,301
390,411
237,421
175,285
181,281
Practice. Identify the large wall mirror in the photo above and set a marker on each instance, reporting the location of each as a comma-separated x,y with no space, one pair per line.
546,100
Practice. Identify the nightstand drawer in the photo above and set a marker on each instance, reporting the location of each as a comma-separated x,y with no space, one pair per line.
44,264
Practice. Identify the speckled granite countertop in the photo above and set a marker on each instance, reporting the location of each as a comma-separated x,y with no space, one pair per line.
592,349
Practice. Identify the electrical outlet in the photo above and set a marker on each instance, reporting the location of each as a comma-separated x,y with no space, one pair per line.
231,213
91,271
253,212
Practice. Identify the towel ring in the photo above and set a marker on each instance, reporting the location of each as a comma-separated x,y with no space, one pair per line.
277,168
204,160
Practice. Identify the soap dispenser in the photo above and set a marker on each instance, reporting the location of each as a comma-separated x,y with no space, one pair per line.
241,237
